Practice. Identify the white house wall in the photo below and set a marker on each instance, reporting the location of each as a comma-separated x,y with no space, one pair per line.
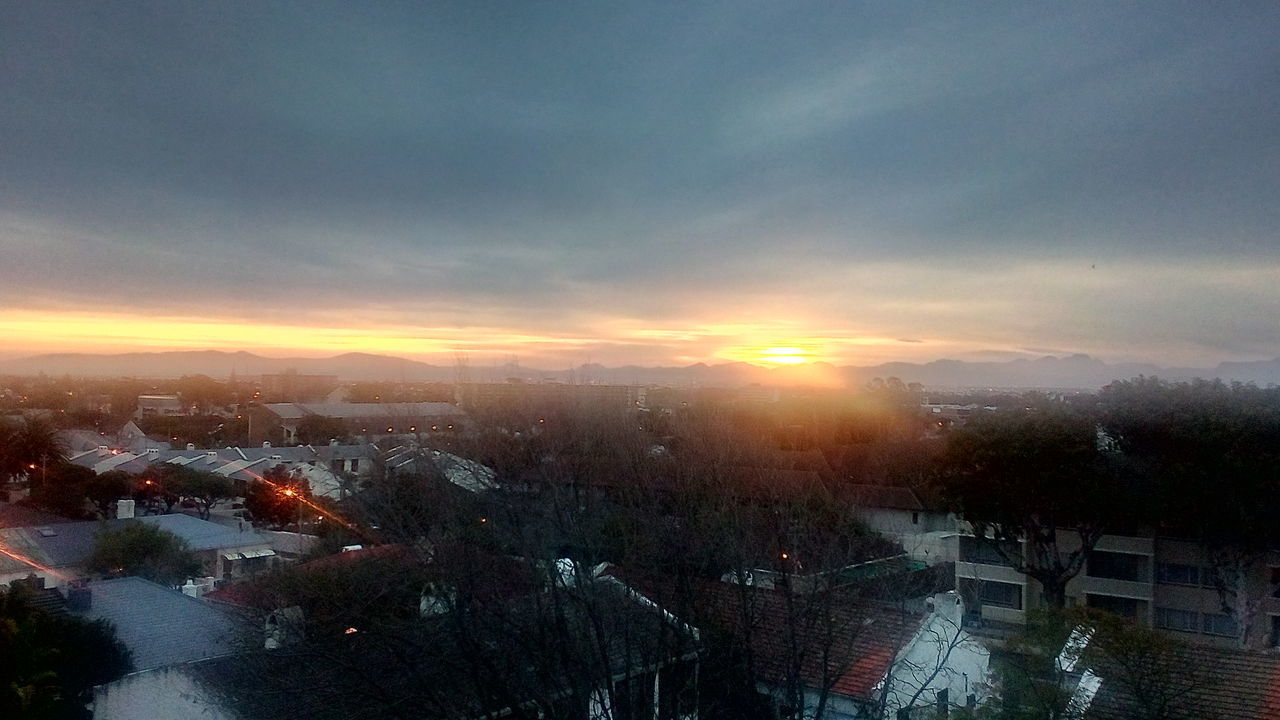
164,694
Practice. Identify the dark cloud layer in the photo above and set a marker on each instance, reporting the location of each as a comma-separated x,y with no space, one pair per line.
519,159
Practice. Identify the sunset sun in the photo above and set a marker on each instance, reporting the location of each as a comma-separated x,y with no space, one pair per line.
784,356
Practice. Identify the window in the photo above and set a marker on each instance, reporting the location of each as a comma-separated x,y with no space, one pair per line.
990,592
915,518
1211,577
1275,582
1217,624
355,464
1177,574
1002,594
1117,566
336,465
1122,606
984,551
1275,631
1182,620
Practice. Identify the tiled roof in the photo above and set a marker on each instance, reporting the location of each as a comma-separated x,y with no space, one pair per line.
865,639
71,543
101,460
1218,683
159,625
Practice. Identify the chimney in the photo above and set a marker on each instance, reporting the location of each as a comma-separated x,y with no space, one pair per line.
211,455
333,442
191,446
124,509
266,444
79,596
191,588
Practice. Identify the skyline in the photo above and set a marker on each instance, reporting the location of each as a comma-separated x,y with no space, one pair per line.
657,185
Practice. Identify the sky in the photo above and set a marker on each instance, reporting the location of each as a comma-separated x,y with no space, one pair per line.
656,183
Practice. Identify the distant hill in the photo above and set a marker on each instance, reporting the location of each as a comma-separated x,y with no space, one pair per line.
1070,371
218,364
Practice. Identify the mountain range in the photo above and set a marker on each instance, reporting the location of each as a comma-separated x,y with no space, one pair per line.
1060,372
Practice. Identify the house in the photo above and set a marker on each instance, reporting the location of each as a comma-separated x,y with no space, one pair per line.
1159,581
927,533
159,625
128,438
324,466
162,406
858,659
577,644
57,553
1217,684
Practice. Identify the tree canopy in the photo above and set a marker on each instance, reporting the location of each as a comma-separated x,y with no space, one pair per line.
278,499
49,664
145,551
1030,476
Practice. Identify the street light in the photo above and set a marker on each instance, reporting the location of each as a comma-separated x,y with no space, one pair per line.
291,493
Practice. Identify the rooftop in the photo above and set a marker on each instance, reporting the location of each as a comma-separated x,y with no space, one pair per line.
1219,684
161,626
864,641
71,543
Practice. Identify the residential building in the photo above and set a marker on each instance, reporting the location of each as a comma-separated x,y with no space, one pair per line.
159,625
1211,683
859,659
373,420
57,554
583,646
162,406
1162,582
324,466
926,533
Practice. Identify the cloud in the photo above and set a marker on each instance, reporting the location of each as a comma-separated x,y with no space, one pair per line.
886,172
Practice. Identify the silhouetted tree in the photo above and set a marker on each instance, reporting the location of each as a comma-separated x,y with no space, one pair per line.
143,550
49,664
278,498
105,489
1209,452
207,490
1039,478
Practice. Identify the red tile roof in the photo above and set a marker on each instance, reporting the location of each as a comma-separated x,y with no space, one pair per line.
1219,684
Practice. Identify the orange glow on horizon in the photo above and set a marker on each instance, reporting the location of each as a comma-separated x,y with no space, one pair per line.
785,356
609,340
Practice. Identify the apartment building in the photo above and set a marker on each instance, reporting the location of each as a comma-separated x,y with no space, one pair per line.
1160,582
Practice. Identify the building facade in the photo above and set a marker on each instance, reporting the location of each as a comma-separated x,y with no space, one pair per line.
1161,582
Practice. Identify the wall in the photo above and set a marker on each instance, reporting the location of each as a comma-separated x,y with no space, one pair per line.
163,694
